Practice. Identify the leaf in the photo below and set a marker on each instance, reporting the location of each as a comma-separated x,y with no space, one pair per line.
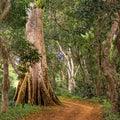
38,3
27,1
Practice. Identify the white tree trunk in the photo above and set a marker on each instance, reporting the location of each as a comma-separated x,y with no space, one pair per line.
70,68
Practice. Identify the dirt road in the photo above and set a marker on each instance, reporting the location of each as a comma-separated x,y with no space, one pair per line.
73,110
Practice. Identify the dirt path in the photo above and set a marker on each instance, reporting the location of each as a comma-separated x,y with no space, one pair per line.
73,110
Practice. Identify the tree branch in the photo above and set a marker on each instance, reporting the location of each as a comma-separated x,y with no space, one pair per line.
62,50
56,21
3,40
6,10
112,32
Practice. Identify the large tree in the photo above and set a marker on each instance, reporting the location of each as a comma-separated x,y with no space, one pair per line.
35,87
109,68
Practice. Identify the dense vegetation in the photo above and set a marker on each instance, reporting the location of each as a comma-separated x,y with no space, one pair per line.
82,39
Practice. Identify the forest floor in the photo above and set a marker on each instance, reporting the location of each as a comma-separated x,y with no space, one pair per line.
71,110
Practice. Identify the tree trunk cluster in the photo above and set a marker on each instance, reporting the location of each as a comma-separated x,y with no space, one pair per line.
71,72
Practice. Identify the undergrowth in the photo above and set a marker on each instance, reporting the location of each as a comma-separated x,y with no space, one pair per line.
19,112
107,112
14,113
65,94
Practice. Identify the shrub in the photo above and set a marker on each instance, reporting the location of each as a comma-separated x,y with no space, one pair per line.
107,112
19,112
62,92
84,90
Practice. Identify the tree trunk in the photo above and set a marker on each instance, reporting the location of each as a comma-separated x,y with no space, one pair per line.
83,71
70,71
98,87
108,68
5,6
70,68
38,87
118,42
5,82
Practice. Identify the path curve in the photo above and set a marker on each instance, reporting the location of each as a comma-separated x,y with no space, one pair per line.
73,110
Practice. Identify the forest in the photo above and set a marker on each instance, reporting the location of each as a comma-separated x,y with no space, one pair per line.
60,59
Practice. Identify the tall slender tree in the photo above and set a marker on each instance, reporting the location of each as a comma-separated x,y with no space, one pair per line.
5,82
4,9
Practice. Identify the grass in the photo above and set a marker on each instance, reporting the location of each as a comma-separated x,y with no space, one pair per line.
19,112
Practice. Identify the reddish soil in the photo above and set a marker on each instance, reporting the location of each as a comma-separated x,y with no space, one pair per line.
72,110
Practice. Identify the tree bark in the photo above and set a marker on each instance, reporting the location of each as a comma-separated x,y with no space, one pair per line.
97,35
109,69
5,82
39,90
118,42
4,11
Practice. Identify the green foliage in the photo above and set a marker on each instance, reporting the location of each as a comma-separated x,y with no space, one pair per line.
28,1
63,93
19,112
25,51
112,49
84,90
107,112
17,15
38,3
13,77
96,100
11,95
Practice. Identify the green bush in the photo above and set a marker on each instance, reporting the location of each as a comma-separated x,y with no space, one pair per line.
11,95
19,112
14,113
107,112
96,100
84,90
62,92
